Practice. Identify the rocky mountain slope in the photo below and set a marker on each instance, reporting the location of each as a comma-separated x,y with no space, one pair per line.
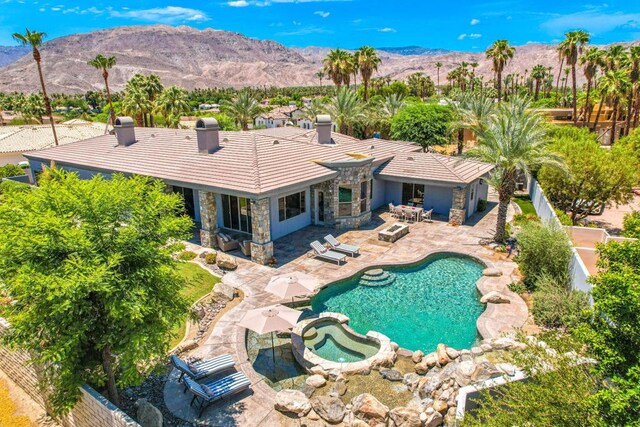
10,54
193,58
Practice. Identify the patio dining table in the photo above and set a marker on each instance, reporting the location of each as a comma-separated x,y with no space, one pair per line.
411,210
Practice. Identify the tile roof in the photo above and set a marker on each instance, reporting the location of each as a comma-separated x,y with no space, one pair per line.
17,139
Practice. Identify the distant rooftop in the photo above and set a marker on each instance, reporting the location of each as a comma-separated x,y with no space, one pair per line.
25,138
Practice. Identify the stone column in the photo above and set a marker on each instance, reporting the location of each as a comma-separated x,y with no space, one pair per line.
208,219
457,213
261,244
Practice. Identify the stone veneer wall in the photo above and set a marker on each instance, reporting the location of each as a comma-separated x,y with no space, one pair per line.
261,245
458,213
208,219
92,410
352,177
328,189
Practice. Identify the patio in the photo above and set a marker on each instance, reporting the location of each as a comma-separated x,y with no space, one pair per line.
255,407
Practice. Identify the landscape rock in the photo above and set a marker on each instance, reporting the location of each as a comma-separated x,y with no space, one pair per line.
308,390
411,380
226,261
504,343
330,409
404,417
494,297
492,272
452,353
441,352
440,406
313,416
222,291
507,368
486,347
391,374
464,372
450,418
147,414
340,387
293,401
485,370
417,355
317,370
476,351
433,420
316,381
369,409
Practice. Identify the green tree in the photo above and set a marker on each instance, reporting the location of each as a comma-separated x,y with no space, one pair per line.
88,267
346,110
438,66
514,140
631,225
614,84
471,111
556,305
172,104
500,53
591,60
593,177
104,64
420,85
320,75
34,39
244,109
545,250
424,124
570,50
10,170
136,103
367,61
338,64
538,74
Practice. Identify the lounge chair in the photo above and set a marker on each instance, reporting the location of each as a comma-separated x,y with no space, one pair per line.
322,252
199,370
341,247
226,243
245,247
211,391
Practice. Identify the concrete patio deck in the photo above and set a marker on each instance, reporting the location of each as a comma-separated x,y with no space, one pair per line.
255,407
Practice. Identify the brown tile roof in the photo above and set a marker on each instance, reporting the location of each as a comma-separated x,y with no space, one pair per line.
18,139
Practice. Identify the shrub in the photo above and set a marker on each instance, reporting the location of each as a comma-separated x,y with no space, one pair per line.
11,186
522,218
563,217
424,124
10,170
631,225
517,287
187,255
555,306
482,205
210,258
544,249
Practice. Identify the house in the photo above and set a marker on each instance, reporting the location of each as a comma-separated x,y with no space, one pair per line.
265,184
280,117
16,140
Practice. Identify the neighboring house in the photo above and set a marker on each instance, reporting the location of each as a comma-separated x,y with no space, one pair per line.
280,117
16,140
265,184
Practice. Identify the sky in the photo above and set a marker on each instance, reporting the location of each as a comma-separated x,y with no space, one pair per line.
462,25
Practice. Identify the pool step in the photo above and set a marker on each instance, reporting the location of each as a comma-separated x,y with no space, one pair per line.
377,277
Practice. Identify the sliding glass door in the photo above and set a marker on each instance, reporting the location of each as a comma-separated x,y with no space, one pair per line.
236,213
412,193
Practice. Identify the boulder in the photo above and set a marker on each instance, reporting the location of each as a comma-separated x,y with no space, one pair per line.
428,386
450,418
313,416
452,353
330,409
464,372
147,414
316,381
391,374
223,292
507,368
486,347
484,371
476,351
369,409
308,390
340,387
433,420
405,417
318,370
441,352
504,343
494,297
411,380
492,272
226,261
417,355
421,368
293,401
440,406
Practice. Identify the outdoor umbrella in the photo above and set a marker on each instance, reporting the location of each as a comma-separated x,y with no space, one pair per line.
270,319
291,285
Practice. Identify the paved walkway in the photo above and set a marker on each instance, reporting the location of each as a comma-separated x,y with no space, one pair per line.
255,407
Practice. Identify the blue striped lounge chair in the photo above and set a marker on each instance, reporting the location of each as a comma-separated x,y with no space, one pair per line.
199,370
341,247
321,252
209,392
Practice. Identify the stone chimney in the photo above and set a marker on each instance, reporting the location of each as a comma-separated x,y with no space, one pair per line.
125,131
208,133
323,127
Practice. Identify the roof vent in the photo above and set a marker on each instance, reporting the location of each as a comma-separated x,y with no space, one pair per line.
372,147
323,128
188,138
153,135
208,133
276,142
225,140
125,131
409,158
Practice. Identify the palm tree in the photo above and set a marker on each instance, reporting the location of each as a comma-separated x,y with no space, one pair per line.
438,66
338,66
500,53
634,79
420,85
153,87
590,62
392,104
514,140
367,60
243,109
570,50
35,39
538,74
346,110
315,108
171,104
105,63
614,85
320,76
474,65
472,112
136,103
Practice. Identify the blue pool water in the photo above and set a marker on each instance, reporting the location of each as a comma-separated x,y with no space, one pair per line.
433,302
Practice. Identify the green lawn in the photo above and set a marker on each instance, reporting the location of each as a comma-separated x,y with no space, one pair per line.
199,283
524,201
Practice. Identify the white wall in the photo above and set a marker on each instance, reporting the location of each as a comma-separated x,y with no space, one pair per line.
279,229
480,192
11,158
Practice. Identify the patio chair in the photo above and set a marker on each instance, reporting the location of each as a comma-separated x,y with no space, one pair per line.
426,215
199,370
245,247
393,210
226,243
211,391
322,252
342,247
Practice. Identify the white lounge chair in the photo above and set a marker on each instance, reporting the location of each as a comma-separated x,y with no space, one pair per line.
341,247
322,252
199,370
211,391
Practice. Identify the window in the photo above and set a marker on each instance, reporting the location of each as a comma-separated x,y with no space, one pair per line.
412,193
236,213
363,196
345,197
371,189
291,206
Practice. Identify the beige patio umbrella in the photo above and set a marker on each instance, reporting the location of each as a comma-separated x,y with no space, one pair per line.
270,319
291,285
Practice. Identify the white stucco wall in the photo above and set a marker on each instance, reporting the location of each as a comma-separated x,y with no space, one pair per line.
11,158
480,192
279,229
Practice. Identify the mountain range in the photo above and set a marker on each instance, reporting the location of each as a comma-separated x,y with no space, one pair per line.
192,58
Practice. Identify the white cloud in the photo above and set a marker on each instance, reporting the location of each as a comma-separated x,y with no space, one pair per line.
469,36
305,31
387,30
238,3
474,21
322,13
165,15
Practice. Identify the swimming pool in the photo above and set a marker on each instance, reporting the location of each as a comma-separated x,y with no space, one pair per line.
432,302
328,339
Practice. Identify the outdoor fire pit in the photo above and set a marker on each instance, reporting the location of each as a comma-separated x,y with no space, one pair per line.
393,233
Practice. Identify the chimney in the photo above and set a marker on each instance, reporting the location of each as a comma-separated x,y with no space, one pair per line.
125,131
323,127
208,133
